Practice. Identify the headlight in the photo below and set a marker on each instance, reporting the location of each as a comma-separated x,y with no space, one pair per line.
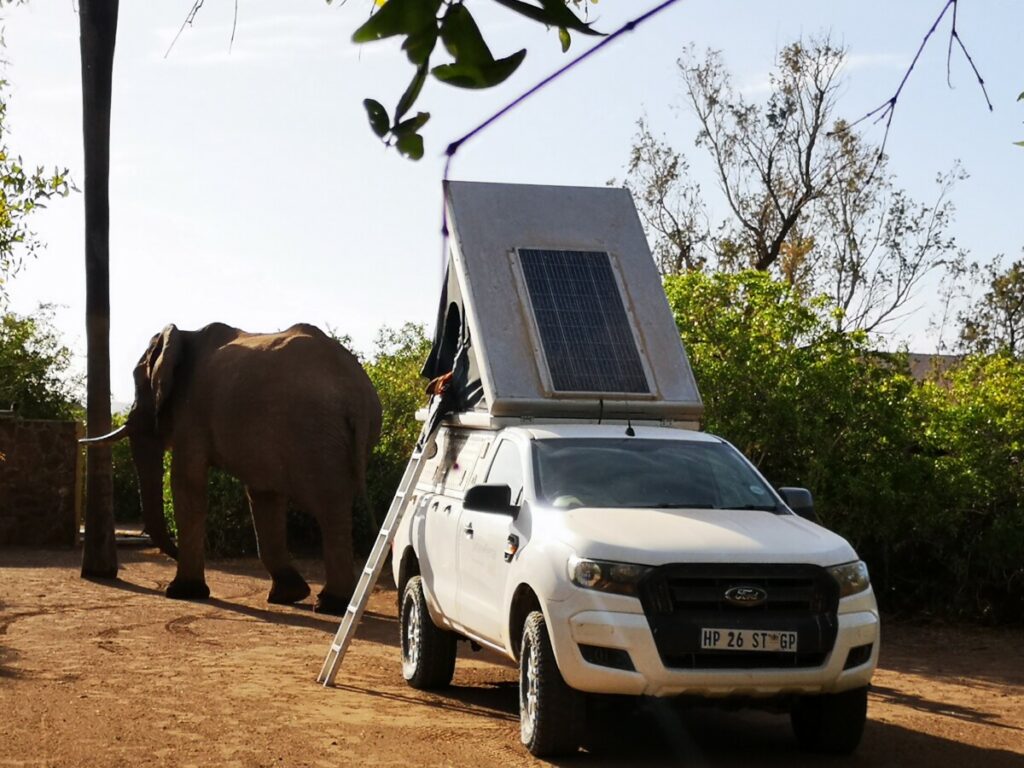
852,578
620,578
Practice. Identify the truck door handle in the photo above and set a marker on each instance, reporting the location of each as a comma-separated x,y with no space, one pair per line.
468,530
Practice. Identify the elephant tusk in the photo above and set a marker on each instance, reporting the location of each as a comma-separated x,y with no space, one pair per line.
110,437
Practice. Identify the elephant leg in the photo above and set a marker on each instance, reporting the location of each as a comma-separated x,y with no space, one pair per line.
188,489
334,515
270,518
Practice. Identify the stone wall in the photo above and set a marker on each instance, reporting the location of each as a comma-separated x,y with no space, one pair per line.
40,482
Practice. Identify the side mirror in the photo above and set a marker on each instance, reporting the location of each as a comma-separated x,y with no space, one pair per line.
490,498
800,501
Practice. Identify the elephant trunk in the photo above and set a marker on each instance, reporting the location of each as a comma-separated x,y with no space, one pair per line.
148,454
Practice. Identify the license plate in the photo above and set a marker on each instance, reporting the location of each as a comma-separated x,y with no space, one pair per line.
712,639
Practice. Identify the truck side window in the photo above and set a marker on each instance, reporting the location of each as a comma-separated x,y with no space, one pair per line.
507,469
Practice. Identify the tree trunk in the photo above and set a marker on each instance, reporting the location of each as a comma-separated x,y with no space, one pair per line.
97,21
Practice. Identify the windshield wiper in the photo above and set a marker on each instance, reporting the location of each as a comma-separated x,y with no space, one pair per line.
757,507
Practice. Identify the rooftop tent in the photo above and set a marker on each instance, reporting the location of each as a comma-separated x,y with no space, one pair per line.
552,308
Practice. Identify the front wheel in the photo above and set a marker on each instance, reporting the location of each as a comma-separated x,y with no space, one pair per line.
428,652
551,714
832,723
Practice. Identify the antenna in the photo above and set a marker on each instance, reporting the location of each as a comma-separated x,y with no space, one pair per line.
630,432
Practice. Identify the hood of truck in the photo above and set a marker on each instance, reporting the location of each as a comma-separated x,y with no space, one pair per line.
662,536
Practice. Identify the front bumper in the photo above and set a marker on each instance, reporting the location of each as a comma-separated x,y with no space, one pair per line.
627,630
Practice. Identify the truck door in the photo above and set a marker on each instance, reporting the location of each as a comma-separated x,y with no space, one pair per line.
483,536
449,473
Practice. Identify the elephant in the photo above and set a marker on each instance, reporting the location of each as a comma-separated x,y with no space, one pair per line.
292,415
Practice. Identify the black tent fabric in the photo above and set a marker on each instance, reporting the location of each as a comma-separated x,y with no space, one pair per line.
453,353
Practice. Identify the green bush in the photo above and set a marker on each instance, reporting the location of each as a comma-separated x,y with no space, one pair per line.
36,375
924,480
229,531
395,372
976,431
127,503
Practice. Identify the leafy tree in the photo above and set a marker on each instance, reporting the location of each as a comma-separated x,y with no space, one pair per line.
808,199
36,373
996,321
669,204
772,161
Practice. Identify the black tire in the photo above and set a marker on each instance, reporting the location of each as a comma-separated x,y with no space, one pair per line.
832,723
552,715
428,652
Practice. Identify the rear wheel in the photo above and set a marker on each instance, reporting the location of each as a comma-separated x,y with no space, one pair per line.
428,652
551,714
832,723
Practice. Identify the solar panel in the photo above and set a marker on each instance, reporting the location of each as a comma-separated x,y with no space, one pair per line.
584,331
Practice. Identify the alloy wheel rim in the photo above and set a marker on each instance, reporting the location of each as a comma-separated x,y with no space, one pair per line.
413,632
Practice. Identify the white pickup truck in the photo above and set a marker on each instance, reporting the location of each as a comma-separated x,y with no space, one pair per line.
646,561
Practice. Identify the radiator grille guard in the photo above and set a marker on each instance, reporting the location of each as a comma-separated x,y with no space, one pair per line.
679,600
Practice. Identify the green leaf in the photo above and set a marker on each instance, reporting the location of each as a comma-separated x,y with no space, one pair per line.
1021,97
564,39
418,47
479,76
412,125
462,37
553,13
398,17
379,120
412,92
411,145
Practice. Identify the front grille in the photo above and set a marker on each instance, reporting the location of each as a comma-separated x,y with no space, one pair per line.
687,590
679,600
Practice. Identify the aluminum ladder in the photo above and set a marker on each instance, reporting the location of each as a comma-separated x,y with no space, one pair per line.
378,554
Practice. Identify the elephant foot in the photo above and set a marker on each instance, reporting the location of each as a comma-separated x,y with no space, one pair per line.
331,604
187,589
289,587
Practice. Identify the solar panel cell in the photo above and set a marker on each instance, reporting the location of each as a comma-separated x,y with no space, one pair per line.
584,330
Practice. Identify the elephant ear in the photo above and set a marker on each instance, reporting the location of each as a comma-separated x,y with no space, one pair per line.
165,353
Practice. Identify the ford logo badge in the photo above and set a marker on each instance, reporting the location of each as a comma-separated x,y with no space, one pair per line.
746,597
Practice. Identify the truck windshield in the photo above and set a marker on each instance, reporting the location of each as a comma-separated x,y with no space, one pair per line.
636,472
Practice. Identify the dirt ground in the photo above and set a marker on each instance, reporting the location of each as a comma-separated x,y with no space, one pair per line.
114,674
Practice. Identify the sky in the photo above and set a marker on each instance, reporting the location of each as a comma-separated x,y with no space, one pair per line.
247,188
